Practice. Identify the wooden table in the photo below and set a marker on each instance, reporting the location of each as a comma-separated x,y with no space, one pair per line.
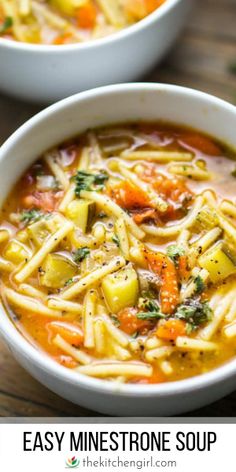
203,58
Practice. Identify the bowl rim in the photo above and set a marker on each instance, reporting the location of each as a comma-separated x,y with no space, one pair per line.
37,356
156,15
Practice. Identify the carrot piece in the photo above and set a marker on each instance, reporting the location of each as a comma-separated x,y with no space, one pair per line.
156,377
138,9
169,293
63,39
144,215
201,143
71,332
129,196
86,16
183,269
130,324
165,268
152,5
171,329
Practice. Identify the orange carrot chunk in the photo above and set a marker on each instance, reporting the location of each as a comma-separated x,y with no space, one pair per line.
86,16
171,329
129,196
130,324
165,268
71,332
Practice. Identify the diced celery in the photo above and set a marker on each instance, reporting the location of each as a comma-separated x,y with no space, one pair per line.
121,289
207,218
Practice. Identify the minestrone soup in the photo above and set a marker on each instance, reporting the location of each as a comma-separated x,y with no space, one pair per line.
69,21
118,253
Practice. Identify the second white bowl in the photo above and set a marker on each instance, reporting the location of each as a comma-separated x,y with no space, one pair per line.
43,73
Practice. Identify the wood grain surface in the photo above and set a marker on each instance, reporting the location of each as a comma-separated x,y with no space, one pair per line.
203,58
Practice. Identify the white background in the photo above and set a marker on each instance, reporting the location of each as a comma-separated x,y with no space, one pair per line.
12,456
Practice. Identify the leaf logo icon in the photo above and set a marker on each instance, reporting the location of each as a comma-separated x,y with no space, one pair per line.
72,463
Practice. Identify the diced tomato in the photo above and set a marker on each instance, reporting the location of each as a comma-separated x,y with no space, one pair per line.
66,361
172,190
71,332
46,201
200,143
129,196
144,215
130,324
86,16
170,329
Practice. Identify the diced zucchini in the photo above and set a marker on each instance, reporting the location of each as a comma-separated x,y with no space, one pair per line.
38,232
41,229
81,212
218,263
17,252
121,289
207,218
56,271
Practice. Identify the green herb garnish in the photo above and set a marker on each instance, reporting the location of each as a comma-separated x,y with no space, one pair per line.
174,252
30,216
233,173
152,310
86,181
199,284
6,24
116,240
69,282
195,313
81,254
115,320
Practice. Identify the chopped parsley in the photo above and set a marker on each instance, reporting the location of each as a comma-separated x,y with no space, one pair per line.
116,240
81,254
8,22
174,252
195,313
69,282
30,216
199,284
115,320
152,310
86,181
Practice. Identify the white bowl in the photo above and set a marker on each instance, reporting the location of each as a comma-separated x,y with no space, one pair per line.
115,104
43,73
